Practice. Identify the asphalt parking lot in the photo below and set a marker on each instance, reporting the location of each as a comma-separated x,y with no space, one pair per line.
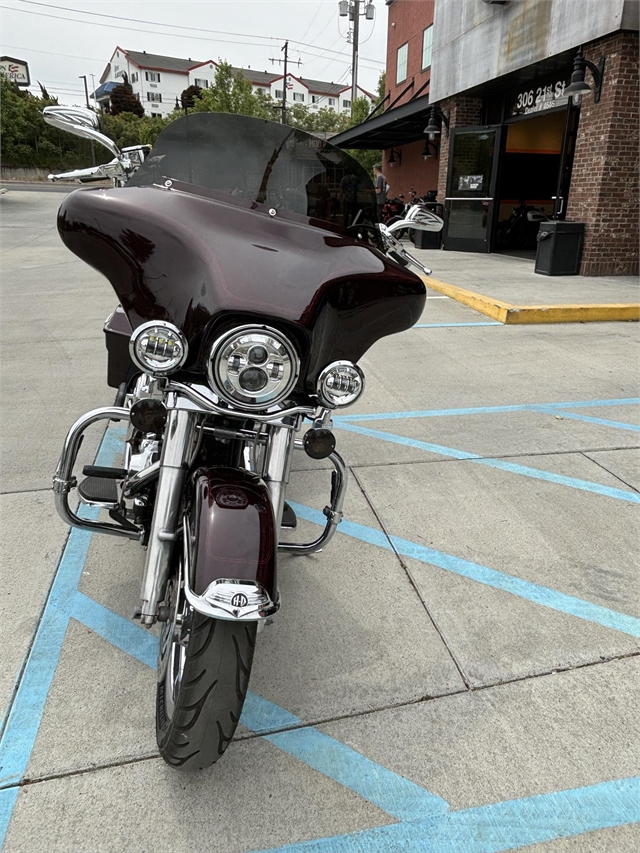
456,673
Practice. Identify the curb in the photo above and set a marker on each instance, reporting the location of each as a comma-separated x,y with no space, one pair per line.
509,314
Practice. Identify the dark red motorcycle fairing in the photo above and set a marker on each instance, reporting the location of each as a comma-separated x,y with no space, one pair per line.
231,520
177,256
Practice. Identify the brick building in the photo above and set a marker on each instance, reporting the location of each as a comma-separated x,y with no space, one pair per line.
507,136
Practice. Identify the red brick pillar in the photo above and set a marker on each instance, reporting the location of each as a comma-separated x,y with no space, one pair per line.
604,182
462,112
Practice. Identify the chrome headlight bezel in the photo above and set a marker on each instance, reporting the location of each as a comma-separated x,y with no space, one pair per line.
173,334
337,399
237,344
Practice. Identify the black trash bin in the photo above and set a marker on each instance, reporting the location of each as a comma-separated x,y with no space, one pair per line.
428,239
559,247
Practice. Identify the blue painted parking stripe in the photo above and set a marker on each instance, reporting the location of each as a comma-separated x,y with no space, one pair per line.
261,716
392,793
572,416
120,632
501,464
483,574
484,410
496,827
454,325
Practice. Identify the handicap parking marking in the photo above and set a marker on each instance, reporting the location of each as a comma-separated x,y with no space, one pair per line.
533,592
497,827
426,824
500,464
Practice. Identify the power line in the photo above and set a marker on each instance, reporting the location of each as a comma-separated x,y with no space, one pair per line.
313,20
172,26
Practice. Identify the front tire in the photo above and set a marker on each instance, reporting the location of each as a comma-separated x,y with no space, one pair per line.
203,676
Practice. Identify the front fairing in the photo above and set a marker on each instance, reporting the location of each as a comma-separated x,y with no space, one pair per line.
202,258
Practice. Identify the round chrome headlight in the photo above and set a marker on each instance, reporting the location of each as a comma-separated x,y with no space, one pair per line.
253,367
340,384
158,348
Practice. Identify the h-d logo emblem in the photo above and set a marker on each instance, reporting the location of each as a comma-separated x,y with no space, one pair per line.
239,600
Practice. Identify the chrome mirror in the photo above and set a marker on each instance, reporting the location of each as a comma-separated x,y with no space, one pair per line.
79,121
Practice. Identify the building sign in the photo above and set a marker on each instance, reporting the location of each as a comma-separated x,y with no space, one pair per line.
470,182
542,97
15,69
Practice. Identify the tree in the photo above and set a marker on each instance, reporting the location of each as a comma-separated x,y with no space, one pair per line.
188,97
232,93
124,101
27,141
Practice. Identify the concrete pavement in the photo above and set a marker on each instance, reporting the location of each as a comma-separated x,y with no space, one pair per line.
456,672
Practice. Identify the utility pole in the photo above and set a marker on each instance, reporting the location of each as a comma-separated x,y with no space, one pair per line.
285,50
351,8
284,82
86,95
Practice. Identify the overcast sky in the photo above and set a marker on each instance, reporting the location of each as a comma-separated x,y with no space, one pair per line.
60,45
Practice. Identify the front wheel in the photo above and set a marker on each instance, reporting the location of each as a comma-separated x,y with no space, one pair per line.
203,676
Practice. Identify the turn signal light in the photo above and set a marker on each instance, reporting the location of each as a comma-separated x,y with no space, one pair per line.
340,384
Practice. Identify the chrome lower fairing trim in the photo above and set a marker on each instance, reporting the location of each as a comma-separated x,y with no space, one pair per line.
64,480
333,513
227,598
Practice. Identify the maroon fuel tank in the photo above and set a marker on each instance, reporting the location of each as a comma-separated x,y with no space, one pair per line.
176,255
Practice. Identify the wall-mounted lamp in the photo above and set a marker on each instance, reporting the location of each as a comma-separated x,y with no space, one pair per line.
578,87
427,153
436,119
395,157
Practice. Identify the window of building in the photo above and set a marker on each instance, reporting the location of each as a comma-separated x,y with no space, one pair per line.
427,44
204,84
152,76
279,94
401,69
154,97
134,77
332,102
298,96
156,115
346,104
315,99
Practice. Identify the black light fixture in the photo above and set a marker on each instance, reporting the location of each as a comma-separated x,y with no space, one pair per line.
426,152
578,86
436,119
395,157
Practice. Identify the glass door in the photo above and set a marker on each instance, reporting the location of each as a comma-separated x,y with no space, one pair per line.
471,184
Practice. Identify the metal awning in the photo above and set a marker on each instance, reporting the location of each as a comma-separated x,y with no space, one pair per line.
394,127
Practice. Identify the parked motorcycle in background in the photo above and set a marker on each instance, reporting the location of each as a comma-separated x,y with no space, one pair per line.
243,313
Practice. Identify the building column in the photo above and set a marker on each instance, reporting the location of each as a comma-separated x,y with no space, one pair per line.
462,112
604,181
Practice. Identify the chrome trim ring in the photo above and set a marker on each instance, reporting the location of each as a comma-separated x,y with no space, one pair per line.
340,384
253,367
174,337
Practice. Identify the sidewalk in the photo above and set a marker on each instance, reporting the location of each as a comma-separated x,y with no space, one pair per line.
507,289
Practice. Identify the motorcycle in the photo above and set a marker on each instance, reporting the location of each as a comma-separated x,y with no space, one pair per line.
243,314
520,230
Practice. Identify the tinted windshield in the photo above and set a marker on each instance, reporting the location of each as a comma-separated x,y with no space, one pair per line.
261,162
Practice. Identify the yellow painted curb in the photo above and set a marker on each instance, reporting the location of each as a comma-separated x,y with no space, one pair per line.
509,314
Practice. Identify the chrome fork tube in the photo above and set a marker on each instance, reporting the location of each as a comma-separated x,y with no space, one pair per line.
176,452
277,467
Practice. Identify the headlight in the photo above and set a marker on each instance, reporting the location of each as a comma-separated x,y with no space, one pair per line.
158,348
253,367
340,384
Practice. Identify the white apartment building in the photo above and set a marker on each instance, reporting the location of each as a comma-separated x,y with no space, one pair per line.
158,80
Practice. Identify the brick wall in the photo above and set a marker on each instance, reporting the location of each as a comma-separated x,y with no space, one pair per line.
604,182
408,20
413,171
462,112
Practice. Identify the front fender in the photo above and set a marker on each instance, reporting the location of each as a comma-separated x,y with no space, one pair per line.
231,546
